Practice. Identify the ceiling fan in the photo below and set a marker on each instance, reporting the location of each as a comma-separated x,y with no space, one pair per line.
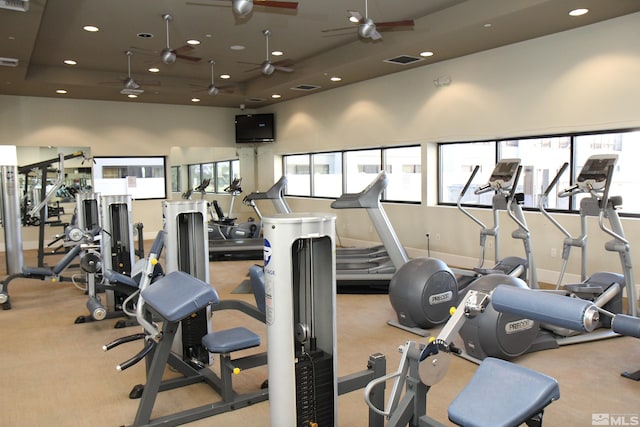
212,89
267,67
128,84
243,8
131,87
367,28
169,55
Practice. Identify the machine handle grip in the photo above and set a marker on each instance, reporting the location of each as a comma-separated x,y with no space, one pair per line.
555,179
482,189
123,340
138,357
512,193
469,181
569,191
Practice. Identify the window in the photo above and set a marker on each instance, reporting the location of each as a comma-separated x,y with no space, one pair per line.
336,173
327,174
405,174
140,177
456,163
541,159
297,168
175,179
220,174
625,178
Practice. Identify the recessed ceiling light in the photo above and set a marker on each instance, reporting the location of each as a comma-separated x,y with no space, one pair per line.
336,79
426,53
70,62
276,96
145,35
488,25
11,38
193,42
195,99
225,76
353,19
578,12
277,53
154,70
237,47
132,95
91,28
61,91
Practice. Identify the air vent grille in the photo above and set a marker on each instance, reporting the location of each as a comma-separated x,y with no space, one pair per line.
403,59
306,87
8,62
19,5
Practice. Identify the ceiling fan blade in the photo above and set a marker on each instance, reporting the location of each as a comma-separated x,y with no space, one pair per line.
280,4
195,3
330,30
184,49
285,69
188,58
389,24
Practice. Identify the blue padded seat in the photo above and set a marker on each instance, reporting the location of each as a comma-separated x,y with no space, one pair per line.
502,394
230,340
178,295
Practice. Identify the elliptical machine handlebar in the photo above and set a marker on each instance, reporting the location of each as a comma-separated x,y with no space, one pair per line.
511,197
604,201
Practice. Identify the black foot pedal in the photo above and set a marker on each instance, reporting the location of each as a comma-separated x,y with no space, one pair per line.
136,391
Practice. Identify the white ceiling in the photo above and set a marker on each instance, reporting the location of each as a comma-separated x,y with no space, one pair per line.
51,31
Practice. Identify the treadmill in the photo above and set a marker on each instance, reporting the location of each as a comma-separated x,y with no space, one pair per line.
369,268
249,248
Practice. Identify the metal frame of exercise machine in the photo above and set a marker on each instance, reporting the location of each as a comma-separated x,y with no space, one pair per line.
364,270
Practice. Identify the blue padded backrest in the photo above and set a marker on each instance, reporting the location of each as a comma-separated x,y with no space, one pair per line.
178,295
256,274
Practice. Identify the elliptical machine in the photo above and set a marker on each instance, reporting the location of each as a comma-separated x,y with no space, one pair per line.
225,226
423,290
490,334
604,289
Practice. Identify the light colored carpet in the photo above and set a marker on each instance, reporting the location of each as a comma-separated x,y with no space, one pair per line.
54,372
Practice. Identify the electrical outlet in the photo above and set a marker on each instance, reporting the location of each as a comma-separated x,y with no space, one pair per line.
553,252
437,236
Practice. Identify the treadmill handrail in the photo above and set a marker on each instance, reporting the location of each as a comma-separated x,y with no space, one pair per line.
367,198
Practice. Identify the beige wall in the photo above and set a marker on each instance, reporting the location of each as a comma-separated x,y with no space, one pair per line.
585,79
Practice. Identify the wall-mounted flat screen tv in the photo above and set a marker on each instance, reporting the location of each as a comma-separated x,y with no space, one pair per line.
255,128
